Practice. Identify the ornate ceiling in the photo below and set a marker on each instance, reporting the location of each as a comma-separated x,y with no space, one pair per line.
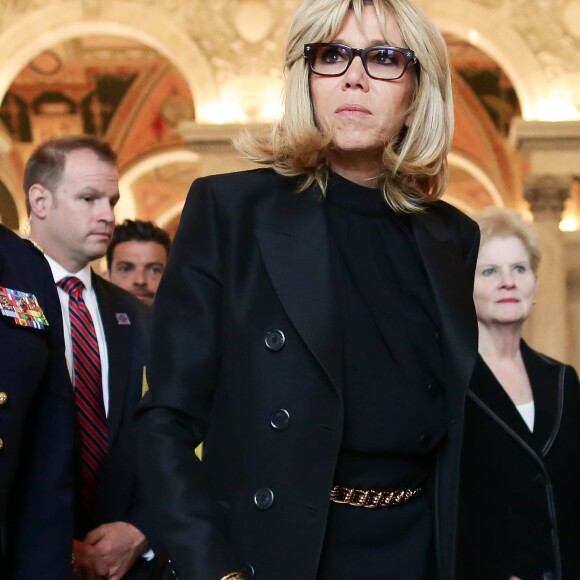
134,71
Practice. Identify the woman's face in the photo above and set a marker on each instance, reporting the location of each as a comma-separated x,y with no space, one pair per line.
505,286
363,113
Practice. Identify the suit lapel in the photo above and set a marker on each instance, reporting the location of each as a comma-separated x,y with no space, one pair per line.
118,338
293,240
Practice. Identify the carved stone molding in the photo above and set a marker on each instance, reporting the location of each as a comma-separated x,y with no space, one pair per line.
544,27
548,27
213,26
212,139
546,195
528,136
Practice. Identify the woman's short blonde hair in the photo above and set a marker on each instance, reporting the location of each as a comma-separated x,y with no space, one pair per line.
415,166
499,222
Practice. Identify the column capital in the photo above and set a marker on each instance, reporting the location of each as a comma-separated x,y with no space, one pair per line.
546,194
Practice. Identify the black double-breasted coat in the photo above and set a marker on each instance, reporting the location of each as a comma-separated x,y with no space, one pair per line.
246,356
520,503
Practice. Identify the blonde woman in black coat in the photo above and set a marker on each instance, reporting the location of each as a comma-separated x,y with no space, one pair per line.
315,324
521,454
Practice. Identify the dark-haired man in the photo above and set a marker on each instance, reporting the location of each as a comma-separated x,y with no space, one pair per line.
137,256
72,188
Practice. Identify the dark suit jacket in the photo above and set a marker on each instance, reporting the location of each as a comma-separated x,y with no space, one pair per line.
521,490
252,256
119,498
36,428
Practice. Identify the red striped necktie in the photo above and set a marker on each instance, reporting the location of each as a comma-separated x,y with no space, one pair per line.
88,389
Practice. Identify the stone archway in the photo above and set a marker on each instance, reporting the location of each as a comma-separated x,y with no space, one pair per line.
479,175
44,27
126,208
492,32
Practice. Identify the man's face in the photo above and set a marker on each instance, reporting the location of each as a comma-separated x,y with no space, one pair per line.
77,218
137,267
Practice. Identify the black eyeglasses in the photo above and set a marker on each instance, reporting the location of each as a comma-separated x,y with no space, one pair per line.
384,63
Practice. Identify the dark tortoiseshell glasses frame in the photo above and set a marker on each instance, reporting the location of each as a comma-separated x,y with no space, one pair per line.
383,63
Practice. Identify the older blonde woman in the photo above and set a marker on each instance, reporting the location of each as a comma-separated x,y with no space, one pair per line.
315,326
521,456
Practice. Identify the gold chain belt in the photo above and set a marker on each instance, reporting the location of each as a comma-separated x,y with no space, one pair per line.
370,498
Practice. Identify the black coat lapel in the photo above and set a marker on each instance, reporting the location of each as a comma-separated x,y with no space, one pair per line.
547,380
495,401
119,339
294,244
453,293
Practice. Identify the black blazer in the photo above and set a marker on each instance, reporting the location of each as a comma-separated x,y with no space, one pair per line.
247,325
521,490
36,427
119,498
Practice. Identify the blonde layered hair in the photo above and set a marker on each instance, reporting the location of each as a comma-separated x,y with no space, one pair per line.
500,222
415,162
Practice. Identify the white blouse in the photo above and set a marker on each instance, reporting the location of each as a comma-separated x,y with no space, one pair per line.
528,413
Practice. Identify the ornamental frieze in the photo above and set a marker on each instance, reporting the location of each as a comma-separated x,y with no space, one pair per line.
236,46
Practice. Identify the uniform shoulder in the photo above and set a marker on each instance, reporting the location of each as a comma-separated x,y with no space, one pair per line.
11,243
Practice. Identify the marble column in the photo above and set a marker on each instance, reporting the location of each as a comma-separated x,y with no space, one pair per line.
551,149
547,328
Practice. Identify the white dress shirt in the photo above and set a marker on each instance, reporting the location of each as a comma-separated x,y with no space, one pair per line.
90,298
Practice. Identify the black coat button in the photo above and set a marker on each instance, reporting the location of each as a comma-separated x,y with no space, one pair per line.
433,389
539,479
248,571
274,340
547,576
425,441
264,498
280,419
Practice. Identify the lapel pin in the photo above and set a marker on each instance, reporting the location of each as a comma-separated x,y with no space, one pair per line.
122,318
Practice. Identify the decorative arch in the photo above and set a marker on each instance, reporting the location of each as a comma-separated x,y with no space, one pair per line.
127,207
47,26
500,41
166,219
479,174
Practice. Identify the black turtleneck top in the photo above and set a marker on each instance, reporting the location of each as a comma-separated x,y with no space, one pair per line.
394,413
